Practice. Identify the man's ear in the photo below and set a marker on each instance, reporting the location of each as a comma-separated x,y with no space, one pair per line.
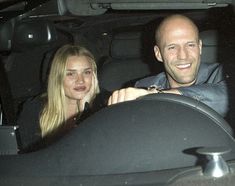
200,46
157,53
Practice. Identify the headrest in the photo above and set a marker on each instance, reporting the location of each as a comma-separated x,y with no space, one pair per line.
34,33
5,36
209,46
126,45
209,37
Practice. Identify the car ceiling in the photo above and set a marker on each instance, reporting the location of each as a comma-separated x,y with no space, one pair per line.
97,7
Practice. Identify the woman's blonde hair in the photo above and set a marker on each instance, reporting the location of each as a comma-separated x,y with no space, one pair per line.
53,115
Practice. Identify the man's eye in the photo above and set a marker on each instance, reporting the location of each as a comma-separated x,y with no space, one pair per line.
171,47
192,45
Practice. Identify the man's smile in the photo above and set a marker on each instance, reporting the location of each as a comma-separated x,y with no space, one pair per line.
184,66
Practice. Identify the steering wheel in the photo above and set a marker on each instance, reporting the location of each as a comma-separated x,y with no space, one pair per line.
191,104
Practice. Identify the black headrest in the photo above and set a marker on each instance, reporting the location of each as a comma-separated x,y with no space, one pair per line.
126,45
33,33
209,37
209,46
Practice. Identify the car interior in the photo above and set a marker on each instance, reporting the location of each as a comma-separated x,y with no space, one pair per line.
161,139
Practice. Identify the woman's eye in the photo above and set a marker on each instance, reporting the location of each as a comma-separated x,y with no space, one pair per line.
87,72
70,74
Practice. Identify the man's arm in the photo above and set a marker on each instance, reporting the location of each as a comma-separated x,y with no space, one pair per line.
213,95
211,90
126,94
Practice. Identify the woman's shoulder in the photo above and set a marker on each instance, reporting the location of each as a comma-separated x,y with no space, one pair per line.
28,122
32,106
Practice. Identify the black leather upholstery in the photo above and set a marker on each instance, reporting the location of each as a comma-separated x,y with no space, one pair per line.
6,32
28,34
32,41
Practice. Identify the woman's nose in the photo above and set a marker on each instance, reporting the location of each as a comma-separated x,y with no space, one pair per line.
80,78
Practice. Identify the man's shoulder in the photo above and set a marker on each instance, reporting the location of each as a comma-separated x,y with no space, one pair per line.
210,66
210,72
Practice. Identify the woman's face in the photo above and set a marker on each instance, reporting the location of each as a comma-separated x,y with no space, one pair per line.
78,78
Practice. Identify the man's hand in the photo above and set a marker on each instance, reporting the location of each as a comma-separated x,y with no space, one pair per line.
130,93
126,94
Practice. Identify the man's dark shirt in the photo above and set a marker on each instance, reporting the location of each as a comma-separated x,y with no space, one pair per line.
209,88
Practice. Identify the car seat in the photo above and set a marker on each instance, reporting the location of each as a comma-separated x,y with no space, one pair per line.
127,62
32,40
217,48
7,109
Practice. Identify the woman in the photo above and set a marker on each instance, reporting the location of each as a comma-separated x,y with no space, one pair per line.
71,93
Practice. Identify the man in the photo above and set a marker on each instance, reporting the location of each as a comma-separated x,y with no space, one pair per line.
178,47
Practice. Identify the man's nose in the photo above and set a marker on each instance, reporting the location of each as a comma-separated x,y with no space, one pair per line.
182,53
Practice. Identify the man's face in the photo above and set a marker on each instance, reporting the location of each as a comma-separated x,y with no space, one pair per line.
179,50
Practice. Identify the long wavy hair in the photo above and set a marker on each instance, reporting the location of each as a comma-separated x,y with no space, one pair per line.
53,115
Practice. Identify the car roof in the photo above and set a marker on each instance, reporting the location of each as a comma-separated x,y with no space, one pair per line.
97,7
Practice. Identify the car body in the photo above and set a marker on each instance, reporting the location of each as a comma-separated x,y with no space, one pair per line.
120,34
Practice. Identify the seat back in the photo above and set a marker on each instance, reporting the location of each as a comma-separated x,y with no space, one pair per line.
8,112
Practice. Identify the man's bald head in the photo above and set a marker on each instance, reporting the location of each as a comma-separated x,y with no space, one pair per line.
173,22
